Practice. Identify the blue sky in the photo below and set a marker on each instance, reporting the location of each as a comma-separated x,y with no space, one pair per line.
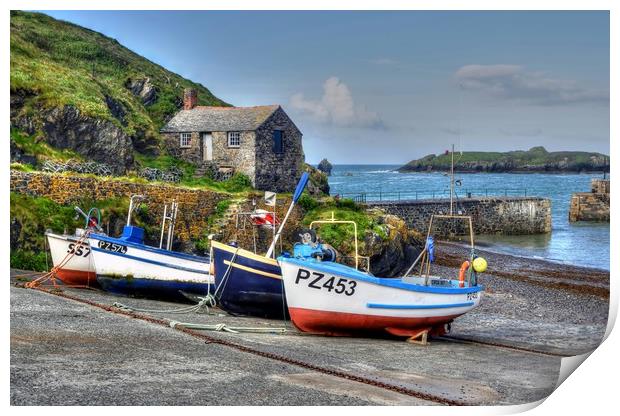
388,87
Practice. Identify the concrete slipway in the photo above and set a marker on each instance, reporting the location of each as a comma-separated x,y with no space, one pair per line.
66,352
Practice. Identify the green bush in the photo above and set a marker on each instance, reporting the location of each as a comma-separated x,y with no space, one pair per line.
29,260
348,203
307,203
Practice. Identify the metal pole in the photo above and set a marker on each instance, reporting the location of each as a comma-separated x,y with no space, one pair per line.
273,229
170,226
174,222
451,180
275,239
163,225
130,209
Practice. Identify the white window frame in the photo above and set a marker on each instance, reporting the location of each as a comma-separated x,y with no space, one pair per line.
185,140
234,139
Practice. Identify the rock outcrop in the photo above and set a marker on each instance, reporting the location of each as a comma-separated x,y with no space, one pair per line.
318,183
392,256
325,167
96,139
143,89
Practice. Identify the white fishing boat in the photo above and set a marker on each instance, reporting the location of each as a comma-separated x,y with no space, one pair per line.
326,297
71,253
127,266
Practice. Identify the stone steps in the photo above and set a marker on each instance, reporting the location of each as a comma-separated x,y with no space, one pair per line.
230,213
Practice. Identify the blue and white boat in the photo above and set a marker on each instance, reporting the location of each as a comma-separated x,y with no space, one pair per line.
324,297
127,266
333,299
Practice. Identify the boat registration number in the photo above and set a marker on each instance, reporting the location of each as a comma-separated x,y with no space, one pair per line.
472,296
117,248
78,250
316,280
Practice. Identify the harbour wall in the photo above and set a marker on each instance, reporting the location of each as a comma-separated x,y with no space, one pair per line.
593,205
496,215
195,205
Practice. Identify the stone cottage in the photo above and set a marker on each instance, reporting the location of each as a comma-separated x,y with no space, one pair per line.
262,142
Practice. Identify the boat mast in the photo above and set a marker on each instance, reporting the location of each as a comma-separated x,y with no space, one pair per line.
452,181
131,206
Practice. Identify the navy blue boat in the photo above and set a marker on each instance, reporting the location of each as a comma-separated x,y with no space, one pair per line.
248,283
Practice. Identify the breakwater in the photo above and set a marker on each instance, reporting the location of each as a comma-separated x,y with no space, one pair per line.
593,205
497,215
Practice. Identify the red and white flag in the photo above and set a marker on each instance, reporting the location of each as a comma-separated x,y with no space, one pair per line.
263,218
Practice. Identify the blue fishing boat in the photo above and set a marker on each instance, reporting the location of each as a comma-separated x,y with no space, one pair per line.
247,283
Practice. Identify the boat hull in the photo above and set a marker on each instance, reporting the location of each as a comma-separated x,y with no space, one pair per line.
133,269
332,299
252,283
77,270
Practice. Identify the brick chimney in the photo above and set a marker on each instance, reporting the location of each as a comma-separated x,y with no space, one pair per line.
190,98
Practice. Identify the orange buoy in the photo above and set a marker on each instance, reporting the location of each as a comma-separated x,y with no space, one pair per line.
462,271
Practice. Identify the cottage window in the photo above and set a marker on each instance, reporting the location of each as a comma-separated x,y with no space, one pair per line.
234,139
278,142
185,140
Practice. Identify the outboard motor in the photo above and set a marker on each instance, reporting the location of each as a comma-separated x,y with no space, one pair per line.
310,247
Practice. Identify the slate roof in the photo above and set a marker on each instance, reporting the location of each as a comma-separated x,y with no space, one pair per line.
203,118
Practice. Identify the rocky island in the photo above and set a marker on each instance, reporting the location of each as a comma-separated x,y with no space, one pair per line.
535,160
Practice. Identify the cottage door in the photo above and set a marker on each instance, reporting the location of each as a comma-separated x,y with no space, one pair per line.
207,147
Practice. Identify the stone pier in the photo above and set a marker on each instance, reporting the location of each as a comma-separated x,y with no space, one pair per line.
497,215
593,205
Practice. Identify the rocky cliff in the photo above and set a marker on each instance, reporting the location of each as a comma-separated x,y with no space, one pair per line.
537,159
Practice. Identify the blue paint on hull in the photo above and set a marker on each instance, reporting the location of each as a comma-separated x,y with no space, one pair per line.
153,288
248,293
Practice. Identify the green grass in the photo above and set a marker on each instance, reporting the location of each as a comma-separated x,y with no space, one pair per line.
39,148
32,216
56,63
341,236
236,184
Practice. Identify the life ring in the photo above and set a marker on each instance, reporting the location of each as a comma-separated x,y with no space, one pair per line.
462,271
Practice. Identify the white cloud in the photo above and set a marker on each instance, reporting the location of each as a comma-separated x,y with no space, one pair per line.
336,107
515,83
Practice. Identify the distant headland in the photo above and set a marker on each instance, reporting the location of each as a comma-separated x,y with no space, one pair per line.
535,160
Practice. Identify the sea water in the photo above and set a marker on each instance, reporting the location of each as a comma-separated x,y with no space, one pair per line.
582,243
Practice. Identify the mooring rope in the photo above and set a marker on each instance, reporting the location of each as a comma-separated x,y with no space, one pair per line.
51,275
226,328
200,307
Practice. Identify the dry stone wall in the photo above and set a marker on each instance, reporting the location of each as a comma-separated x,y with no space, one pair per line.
505,215
195,205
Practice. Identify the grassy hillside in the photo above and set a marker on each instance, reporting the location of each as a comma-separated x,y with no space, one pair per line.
536,159
56,63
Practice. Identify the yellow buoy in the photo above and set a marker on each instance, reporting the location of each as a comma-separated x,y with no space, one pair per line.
480,264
